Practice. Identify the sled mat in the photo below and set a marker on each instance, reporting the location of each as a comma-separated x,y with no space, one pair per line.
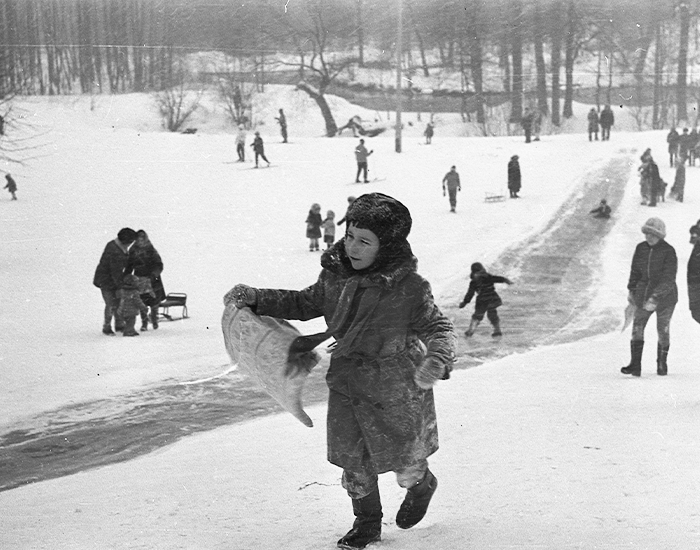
259,346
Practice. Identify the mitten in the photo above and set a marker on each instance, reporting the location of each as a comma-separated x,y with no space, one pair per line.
462,304
650,304
241,296
428,373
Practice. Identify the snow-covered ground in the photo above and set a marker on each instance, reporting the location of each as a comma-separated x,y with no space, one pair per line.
548,449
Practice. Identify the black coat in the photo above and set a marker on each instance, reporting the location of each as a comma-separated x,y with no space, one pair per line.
110,270
144,261
694,278
607,118
653,274
514,175
482,284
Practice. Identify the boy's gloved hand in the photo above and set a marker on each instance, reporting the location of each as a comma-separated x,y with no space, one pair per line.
241,296
428,373
650,304
462,304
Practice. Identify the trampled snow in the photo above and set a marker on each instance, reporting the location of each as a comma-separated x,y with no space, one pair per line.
548,449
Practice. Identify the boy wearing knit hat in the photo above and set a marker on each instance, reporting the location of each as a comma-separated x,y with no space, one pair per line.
392,344
652,289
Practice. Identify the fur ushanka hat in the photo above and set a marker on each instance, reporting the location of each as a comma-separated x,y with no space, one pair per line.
383,215
655,226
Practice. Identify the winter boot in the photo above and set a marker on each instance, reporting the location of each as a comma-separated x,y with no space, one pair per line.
107,329
367,527
415,505
635,366
154,317
496,330
144,321
661,356
472,328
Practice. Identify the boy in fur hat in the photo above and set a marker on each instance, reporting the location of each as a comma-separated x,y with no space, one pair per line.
487,300
392,345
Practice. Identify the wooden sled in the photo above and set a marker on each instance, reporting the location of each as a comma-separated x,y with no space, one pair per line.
494,197
259,346
173,299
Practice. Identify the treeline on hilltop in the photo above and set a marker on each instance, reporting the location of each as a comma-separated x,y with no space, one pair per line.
68,46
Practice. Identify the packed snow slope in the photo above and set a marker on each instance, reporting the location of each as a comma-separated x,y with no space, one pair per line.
548,449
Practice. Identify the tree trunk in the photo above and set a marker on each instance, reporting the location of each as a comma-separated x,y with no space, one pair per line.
658,72
504,63
360,35
516,41
682,87
320,99
476,61
539,62
571,51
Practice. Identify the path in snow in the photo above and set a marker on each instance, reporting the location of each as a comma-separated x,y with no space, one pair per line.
553,272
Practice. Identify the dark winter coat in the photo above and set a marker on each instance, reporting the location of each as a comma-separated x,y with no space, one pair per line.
374,404
258,145
313,225
526,121
144,261
11,185
603,211
110,270
673,139
607,118
482,284
514,175
130,303
592,121
653,274
451,179
694,278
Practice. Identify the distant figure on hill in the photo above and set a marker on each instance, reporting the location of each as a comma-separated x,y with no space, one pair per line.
684,145
259,148
429,132
342,220
526,122
354,123
487,299
693,139
602,211
514,179
592,124
240,143
282,120
607,121
328,226
678,188
11,186
451,181
2,125
673,140
313,226
109,274
361,155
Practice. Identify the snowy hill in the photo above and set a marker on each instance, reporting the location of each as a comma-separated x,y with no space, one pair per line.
551,448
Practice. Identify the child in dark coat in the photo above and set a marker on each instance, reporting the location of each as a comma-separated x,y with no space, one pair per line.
487,300
11,186
603,211
313,226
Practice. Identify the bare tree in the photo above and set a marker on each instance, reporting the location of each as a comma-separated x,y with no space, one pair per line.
177,102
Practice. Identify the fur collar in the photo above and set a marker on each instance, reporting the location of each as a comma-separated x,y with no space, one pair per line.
387,276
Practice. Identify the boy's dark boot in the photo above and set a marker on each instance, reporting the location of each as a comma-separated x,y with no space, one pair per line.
635,366
661,356
367,527
415,505
472,327
144,321
154,317
496,330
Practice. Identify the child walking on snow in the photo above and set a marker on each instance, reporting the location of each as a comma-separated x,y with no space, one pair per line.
130,304
487,300
392,345
313,226
329,229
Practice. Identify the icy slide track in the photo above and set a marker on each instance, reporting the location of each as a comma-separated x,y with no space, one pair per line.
548,305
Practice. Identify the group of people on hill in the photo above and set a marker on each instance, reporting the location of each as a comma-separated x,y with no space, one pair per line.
603,121
129,278
258,146
683,147
315,223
